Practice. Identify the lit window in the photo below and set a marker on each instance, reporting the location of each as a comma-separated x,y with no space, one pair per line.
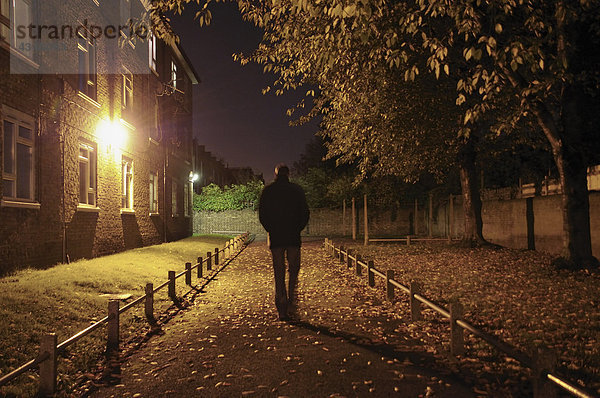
174,74
174,209
87,174
127,185
186,199
16,13
18,173
127,89
152,51
153,193
86,49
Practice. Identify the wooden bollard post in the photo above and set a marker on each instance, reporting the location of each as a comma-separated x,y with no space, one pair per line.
208,261
188,274
349,260
407,240
216,256
149,303
342,254
389,288
415,305
172,294
48,365
112,342
199,267
358,266
371,275
544,362
457,343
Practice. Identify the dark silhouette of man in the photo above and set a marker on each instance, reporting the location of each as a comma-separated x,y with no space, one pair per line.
283,212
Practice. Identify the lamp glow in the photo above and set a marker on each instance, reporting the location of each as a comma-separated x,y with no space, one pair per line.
111,134
193,176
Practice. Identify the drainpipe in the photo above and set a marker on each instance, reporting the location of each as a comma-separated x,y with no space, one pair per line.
165,162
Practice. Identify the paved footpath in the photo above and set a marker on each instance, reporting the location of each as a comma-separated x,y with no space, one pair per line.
229,343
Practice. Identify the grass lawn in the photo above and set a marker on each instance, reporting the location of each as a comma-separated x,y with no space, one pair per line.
69,297
514,294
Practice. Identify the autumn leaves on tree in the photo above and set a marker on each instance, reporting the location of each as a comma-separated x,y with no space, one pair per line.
417,87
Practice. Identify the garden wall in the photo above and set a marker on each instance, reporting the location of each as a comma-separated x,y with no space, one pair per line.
517,223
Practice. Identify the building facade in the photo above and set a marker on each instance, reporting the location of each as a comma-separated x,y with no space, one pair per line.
97,158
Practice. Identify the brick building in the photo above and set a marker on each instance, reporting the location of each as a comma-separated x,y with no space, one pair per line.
96,137
209,169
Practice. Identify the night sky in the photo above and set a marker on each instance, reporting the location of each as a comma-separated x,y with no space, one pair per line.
232,117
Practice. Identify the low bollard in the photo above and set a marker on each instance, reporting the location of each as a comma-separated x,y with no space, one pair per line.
358,265
216,256
342,254
208,261
199,267
348,259
48,367
544,362
112,342
149,304
370,273
415,305
457,343
389,288
172,294
188,274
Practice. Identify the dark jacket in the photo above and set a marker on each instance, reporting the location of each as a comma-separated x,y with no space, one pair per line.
283,212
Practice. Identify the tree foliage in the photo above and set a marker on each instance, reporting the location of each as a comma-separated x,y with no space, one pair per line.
406,86
234,197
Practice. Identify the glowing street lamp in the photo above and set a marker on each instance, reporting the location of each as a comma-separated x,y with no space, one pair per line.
193,176
111,134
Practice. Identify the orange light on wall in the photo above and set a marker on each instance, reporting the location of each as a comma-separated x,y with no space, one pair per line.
111,134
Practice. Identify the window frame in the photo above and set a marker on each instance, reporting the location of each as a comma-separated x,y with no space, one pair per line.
127,184
24,46
127,93
91,175
174,74
174,202
152,48
186,199
153,188
88,72
18,120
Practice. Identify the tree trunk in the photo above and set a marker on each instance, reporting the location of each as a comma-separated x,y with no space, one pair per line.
565,140
469,181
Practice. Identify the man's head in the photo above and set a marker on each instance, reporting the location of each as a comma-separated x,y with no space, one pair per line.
281,170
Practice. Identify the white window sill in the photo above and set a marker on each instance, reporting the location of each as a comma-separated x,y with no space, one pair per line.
127,124
23,57
20,204
87,208
127,211
88,99
154,214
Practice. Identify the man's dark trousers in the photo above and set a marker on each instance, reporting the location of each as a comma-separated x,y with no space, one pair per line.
285,300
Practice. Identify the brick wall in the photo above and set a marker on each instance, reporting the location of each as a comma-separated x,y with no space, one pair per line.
60,227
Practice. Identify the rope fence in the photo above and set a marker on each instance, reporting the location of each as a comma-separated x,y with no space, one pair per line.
49,350
543,362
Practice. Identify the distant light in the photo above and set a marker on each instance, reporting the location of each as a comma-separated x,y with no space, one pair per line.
111,134
193,176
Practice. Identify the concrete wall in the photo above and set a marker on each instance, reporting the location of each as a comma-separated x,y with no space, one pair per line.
504,222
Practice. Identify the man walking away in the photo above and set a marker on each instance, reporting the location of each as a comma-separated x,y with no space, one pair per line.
283,212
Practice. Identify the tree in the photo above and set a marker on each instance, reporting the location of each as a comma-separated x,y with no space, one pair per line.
545,55
510,59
